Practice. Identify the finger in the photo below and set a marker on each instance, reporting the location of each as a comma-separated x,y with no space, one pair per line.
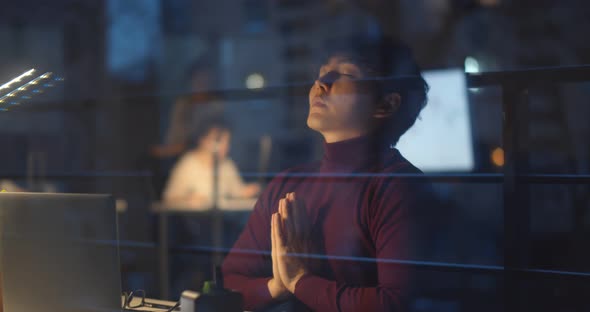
274,228
276,235
279,244
272,234
283,208
277,230
276,253
289,200
273,252
286,229
290,223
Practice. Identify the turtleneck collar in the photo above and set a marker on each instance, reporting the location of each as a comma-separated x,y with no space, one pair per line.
353,154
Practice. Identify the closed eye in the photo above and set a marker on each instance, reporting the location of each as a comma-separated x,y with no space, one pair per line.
332,76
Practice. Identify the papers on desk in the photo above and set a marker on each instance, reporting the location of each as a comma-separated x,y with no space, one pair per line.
152,305
230,204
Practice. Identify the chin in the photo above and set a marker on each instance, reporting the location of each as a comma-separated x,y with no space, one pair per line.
314,123
321,122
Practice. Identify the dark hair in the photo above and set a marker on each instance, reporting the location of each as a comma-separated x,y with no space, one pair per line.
203,64
201,128
391,68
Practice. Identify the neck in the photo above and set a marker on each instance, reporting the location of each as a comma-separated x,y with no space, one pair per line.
205,156
355,153
334,137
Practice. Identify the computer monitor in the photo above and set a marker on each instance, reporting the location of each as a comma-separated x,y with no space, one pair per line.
59,253
441,139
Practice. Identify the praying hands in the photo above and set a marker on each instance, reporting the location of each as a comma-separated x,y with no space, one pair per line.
290,238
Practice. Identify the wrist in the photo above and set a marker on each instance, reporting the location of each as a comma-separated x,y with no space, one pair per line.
294,281
276,288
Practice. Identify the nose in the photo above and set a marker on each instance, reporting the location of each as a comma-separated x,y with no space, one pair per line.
328,79
321,85
325,82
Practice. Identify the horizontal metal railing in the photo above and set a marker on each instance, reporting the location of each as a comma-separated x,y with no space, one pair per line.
481,178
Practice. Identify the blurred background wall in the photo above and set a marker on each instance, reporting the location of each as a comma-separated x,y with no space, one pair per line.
125,63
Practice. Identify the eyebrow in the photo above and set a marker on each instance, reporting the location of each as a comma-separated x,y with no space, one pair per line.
345,66
351,67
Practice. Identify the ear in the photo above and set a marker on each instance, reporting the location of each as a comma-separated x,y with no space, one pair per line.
388,105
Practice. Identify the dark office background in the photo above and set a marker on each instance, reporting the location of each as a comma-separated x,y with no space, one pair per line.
516,229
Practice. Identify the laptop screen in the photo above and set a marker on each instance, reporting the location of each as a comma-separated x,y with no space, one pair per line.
59,253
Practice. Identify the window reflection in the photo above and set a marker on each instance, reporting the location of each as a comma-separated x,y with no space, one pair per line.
199,117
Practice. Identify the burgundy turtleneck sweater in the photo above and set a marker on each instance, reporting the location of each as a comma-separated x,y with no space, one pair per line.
362,219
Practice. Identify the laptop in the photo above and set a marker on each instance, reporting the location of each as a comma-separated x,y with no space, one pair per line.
59,253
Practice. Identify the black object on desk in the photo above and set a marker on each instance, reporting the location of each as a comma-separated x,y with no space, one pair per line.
212,298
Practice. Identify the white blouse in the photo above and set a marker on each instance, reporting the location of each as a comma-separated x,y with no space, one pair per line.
190,176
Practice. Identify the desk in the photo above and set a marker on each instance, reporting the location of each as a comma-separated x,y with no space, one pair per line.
212,220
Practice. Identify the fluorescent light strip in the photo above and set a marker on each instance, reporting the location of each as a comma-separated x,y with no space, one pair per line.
25,86
17,79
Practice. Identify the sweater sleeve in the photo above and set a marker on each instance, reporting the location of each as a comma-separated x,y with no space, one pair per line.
248,266
391,226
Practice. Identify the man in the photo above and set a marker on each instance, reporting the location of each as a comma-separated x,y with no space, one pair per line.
338,229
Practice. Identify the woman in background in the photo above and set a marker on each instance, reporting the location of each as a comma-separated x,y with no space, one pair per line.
191,181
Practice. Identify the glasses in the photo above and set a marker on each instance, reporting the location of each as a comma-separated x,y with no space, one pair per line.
140,293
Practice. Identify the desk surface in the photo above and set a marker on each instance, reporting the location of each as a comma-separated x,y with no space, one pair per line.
236,204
